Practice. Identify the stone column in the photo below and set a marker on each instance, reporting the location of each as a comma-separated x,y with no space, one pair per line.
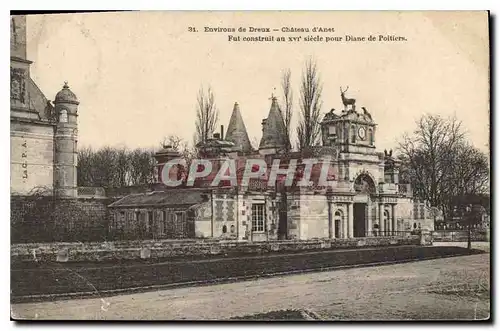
389,225
331,228
369,228
332,220
394,219
381,224
345,219
351,221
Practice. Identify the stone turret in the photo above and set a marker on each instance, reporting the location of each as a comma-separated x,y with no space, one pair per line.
66,137
274,137
237,132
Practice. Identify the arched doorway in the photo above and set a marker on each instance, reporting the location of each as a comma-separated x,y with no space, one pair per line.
337,223
364,187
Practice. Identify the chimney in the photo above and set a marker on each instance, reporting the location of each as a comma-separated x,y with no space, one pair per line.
264,121
222,132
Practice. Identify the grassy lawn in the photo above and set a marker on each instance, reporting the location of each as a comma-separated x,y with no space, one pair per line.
455,288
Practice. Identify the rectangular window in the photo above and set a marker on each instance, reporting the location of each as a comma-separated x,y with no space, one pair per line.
150,220
112,223
164,219
422,211
179,224
122,220
179,215
258,217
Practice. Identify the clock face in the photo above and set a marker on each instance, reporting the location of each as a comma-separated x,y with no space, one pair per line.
362,133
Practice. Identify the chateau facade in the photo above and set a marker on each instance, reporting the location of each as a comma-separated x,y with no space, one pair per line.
363,198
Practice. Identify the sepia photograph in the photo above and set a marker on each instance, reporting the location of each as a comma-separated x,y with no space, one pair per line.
250,166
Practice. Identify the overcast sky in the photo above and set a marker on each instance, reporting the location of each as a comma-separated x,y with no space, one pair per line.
137,74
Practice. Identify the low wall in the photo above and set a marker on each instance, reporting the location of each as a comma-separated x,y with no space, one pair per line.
460,235
170,249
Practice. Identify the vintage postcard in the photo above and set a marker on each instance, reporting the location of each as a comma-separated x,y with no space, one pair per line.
242,166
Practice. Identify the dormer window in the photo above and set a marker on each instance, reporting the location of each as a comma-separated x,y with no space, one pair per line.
63,116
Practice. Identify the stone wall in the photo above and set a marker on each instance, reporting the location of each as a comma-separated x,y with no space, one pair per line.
313,216
225,215
167,249
31,157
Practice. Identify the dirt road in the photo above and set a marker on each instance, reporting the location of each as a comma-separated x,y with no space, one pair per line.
450,288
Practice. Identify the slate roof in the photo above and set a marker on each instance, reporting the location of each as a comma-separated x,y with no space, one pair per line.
66,95
237,132
174,197
274,130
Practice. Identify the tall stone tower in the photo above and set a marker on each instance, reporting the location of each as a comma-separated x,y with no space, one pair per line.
66,137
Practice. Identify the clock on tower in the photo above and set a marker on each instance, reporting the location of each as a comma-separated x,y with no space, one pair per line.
362,133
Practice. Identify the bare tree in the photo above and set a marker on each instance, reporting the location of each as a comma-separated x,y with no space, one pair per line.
115,167
85,164
180,145
207,115
287,107
173,141
441,165
123,167
308,130
467,176
427,152
104,170
142,166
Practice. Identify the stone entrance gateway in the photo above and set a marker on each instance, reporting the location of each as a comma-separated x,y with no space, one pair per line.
359,219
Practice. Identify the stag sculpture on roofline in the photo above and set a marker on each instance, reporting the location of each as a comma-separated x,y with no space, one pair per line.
347,101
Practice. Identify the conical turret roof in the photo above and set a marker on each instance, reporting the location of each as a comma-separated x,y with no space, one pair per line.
237,132
274,130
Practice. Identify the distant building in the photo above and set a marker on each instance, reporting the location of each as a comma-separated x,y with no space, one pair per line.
46,204
366,198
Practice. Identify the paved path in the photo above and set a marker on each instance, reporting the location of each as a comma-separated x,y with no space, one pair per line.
434,289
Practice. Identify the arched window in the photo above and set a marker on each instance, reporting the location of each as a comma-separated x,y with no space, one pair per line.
370,136
364,184
353,134
224,229
63,116
338,223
